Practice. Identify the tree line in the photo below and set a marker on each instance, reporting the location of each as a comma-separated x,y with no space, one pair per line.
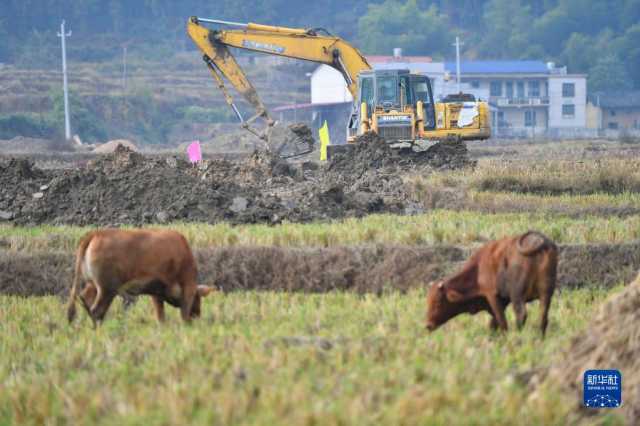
598,37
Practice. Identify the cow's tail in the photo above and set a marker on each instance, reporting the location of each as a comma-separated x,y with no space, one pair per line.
533,242
80,252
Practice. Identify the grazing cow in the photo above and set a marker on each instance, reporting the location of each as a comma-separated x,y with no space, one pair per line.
133,262
514,269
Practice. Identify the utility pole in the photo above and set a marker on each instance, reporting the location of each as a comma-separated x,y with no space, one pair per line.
457,45
124,68
67,126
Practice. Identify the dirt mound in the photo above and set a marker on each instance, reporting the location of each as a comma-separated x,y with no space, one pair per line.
370,151
20,183
126,187
611,341
111,146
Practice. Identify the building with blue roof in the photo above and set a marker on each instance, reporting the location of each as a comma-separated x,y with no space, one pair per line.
499,67
529,97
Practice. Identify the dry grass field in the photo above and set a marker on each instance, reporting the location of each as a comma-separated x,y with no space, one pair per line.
263,357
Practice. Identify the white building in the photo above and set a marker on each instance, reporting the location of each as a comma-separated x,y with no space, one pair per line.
328,86
531,98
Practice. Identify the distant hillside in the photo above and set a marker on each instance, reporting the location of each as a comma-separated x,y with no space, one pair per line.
159,104
599,37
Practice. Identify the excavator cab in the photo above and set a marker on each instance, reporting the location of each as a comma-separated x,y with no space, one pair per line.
395,104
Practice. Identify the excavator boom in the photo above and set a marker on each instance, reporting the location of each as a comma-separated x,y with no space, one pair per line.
297,43
289,42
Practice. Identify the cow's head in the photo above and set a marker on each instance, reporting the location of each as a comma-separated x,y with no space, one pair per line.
441,304
203,291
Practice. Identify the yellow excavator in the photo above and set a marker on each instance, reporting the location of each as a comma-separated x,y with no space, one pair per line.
396,104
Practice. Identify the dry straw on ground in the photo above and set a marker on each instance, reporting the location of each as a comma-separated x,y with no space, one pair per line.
610,341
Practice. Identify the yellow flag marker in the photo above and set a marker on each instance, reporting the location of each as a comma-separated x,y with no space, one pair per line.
324,140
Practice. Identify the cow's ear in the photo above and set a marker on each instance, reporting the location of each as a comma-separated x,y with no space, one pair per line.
454,295
204,290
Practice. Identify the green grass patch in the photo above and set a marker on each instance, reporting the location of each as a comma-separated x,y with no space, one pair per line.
435,227
281,358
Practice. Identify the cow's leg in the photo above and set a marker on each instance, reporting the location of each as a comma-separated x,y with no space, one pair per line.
188,295
493,324
101,308
545,290
158,304
88,296
545,303
101,304
96,300
517,288
520,308
497,307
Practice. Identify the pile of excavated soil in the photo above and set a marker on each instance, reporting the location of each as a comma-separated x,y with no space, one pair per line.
125,187
372,152
111,146
610,341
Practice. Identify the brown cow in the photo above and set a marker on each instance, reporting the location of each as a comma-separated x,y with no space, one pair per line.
514,269
133,262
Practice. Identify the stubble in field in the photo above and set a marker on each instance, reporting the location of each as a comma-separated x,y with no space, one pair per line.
280,358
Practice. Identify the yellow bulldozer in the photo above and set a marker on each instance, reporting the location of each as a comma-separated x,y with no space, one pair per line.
396,104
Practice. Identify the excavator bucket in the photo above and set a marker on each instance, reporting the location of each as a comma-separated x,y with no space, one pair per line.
288,141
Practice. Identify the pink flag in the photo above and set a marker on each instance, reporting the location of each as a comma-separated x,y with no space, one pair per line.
193,150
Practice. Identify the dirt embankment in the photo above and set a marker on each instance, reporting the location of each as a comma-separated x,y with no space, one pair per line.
365,269
128,188
611,341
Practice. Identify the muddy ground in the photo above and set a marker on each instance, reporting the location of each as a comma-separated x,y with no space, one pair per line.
363,269
131,188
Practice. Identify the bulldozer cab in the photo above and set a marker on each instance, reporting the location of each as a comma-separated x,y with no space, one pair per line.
388,101
393,89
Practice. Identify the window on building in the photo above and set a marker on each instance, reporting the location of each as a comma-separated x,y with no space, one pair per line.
509,89
520,89
495,89
529,118
568,111
534,89
568,90
501,122
475,84
613,112
613,125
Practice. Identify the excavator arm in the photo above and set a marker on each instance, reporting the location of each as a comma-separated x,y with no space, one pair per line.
306,44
